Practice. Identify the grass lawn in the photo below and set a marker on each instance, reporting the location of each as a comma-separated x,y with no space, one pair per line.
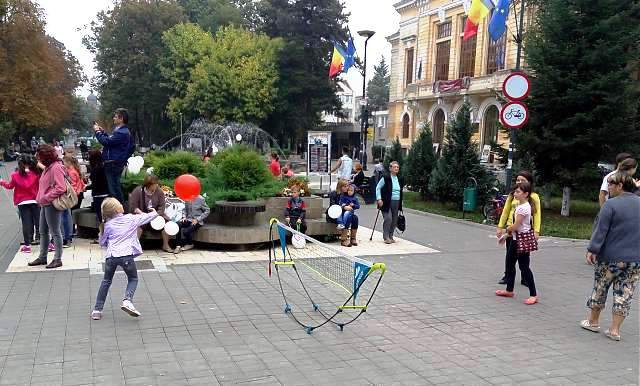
577,226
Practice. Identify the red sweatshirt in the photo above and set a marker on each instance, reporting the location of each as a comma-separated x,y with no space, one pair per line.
25,187
52,184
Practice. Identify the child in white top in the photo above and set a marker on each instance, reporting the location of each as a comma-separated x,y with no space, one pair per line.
521,224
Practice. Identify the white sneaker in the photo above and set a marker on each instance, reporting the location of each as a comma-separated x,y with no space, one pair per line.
128,307
177,250
340,227
187,247
96,315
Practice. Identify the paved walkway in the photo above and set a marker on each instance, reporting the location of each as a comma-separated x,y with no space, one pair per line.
434,321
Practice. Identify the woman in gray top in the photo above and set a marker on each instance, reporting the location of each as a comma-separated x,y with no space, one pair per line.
614,249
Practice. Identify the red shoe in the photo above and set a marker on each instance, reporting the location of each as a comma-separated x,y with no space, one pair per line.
504,293
531,300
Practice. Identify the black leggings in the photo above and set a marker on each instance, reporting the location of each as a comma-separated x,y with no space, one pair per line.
523,260
30,217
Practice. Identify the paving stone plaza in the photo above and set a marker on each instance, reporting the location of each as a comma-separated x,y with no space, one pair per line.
216,318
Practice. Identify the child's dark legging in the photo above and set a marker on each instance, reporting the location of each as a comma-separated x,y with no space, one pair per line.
30,216
523,260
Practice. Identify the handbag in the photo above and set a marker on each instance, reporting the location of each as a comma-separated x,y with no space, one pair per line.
68,199
526,241
402,222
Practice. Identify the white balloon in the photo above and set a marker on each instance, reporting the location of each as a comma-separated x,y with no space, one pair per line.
139,160
334,211
171,228
158,223
150,170
133,169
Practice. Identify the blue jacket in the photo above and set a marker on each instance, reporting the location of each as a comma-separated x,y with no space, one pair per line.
349,200
116,145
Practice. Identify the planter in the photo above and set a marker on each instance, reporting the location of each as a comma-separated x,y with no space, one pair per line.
240,213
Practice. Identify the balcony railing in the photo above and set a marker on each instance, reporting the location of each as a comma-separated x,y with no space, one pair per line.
456,87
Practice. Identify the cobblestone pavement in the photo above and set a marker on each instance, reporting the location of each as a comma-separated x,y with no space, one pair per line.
435,320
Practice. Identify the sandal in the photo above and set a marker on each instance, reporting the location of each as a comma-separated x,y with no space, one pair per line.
531,300
168,250
586,324
612,336
504,293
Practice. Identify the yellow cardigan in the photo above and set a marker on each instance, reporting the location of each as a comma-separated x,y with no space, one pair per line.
509,209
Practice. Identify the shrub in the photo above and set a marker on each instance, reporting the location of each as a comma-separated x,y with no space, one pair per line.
153,157
420,162
178,163
130,181
394,154
241,168
302,183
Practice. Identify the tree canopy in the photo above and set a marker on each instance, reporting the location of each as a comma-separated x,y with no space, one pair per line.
38,75
584,100
378,86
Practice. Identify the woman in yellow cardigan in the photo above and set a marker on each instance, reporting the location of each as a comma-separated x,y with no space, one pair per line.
506,218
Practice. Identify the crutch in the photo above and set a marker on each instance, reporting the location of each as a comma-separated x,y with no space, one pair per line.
374,225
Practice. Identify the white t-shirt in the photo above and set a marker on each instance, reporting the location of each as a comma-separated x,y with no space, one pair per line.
525,210
605,184
344,172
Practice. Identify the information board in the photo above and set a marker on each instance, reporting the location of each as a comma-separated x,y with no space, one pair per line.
319,152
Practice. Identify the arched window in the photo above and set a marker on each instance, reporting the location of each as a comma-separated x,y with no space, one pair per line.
405,126
438,126
490,131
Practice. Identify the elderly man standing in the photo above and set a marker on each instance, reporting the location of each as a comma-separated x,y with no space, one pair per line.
116,151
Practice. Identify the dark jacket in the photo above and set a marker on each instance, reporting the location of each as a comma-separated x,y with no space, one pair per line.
196,209
116,145
295,208
616,232
386,190
138,199
358,178
98,181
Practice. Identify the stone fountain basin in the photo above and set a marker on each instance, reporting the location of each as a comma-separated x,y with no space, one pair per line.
238,213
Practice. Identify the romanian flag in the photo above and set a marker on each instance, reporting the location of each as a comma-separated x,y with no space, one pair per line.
478,11
342,58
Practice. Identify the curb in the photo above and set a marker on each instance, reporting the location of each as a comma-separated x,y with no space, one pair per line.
477,225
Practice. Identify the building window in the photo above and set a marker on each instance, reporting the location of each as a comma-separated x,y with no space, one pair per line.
490,131
438,126
409,65
442,60
496,54
444,30
467,56
405,126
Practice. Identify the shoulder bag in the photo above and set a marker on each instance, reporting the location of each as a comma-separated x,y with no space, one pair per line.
68,199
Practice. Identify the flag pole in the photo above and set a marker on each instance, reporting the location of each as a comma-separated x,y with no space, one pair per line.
513,133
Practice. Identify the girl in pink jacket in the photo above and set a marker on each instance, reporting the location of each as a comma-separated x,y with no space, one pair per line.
24,183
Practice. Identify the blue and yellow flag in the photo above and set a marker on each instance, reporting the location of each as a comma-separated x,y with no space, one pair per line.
498,23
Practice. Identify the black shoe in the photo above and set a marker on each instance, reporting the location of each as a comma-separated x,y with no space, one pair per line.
524,283
503,281
35,242
55,264
37,262
66,244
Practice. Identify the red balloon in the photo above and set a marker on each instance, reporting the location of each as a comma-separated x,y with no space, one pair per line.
187,187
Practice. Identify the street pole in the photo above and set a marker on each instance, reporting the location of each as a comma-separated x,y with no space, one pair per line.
513,133
364,112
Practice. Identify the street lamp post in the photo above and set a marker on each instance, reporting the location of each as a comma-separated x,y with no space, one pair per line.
365,105
180,131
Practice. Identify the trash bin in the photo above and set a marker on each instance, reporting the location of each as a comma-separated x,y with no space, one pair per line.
470,195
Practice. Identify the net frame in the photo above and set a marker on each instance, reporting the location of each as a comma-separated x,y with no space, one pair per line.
288,260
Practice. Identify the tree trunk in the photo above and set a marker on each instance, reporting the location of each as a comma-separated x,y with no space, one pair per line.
566,201
546,198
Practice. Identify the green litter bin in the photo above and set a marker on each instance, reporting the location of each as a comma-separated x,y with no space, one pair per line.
470,195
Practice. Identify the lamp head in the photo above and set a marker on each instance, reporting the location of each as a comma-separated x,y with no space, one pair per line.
366,33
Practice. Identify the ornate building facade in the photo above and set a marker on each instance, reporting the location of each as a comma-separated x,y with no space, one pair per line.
434,72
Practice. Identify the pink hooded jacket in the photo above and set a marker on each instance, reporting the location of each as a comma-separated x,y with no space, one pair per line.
52,184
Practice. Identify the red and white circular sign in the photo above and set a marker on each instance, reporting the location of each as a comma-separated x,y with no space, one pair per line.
514,115
516,86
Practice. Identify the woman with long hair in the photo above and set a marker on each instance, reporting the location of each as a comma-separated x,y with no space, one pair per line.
51,186
24,183
73,170
508,214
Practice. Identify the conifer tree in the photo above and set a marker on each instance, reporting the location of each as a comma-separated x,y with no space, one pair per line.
420,162
459,163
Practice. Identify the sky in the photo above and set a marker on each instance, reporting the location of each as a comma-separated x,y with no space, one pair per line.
64,18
